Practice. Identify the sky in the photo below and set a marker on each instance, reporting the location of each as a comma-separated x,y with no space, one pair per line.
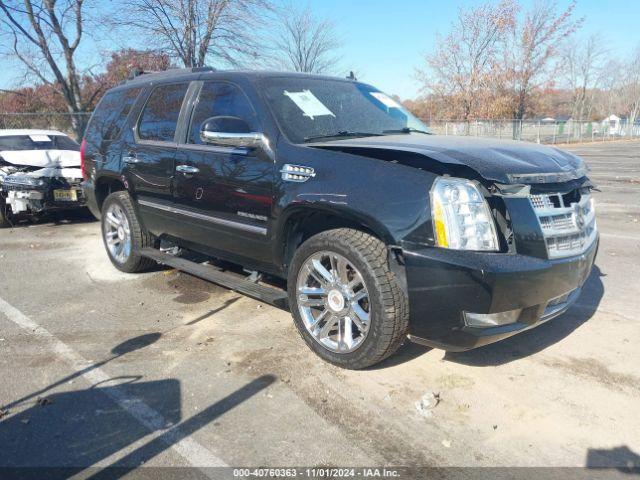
385,40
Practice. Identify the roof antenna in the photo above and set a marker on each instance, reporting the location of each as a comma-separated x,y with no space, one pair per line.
352,76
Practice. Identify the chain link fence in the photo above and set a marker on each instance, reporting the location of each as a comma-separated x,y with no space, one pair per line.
550,132
49,121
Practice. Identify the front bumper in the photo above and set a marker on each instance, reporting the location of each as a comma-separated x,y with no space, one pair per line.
29,200
442,284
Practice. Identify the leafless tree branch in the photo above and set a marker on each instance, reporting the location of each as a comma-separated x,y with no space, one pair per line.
303,42
40,32
194,31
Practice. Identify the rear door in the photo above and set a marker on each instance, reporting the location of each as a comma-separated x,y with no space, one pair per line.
228,198
148,161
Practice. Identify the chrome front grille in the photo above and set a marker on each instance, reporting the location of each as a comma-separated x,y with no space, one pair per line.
569,227
557,222
541,201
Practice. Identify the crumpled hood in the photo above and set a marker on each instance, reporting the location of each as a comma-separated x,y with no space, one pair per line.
503,161
53,172
42,158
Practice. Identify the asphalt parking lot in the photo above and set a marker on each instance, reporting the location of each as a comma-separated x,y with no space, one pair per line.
101,368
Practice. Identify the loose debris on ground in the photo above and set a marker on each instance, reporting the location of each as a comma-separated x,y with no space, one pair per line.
427,403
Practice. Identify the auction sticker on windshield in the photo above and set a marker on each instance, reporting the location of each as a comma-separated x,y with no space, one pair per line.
39,138
309,104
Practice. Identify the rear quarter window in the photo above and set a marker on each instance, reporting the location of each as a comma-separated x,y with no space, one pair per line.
111,115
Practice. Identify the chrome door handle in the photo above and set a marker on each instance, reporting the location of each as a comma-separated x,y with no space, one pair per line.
130,159
187,169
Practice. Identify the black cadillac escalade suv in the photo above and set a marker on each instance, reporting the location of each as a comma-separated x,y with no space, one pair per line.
380,229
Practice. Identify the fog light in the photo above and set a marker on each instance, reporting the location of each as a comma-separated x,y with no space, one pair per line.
491,319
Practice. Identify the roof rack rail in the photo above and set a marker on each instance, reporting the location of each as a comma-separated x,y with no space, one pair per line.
206,68
136,72
192,69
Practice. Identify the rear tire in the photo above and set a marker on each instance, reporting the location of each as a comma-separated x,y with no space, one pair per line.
122,234
380,323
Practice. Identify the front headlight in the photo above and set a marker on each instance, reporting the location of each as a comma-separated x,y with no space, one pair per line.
23,180
461,216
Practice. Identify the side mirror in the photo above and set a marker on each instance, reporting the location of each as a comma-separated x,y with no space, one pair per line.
229,132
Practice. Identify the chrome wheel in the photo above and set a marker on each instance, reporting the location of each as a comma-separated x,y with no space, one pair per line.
333,302
117,234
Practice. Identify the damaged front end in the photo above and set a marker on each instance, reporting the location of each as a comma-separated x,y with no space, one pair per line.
465,290
39,172
28,191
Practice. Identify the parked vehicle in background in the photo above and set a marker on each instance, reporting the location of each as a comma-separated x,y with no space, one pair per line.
39,172
380,229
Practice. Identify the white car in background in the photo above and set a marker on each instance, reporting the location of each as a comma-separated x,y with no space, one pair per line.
39,172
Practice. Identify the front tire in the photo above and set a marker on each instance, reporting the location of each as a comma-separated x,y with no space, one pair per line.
346,303
122,234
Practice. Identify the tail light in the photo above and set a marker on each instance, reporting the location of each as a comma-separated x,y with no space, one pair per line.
83,164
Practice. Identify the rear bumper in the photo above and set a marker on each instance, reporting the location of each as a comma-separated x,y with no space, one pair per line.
442,284
90,197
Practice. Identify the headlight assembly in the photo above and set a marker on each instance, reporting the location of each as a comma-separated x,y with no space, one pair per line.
462,219
23,180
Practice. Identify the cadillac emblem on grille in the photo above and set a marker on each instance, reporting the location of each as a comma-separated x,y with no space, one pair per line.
568,227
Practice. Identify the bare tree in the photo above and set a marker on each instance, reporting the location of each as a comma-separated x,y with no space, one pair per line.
630,89
607,100
532,46
463,61
45,36
305,43
194,31
582,63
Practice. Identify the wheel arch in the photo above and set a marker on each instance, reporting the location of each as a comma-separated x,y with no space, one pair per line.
298,223
106,185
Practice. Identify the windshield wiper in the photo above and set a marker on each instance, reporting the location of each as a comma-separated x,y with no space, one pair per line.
407,130
342,133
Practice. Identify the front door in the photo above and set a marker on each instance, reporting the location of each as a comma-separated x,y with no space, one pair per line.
149,160
224,192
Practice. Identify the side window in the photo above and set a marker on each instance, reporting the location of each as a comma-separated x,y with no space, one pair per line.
121,112
111,114
220,99
160,115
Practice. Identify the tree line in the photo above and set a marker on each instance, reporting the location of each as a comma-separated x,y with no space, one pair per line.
47,38
497,61
500,61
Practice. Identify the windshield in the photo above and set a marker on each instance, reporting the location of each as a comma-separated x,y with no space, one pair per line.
309,109
37,142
